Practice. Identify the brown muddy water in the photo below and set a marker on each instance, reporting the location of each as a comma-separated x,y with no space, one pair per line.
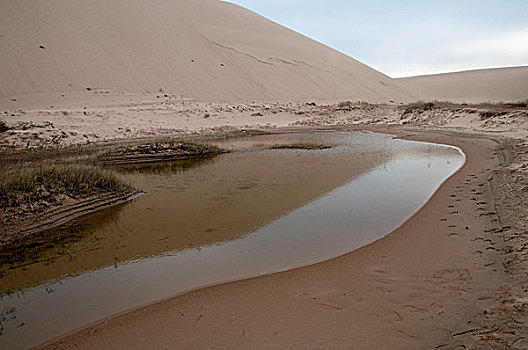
250,212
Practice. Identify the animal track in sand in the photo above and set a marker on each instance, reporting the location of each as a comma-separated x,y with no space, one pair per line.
330,306
416,309
394,316
408,335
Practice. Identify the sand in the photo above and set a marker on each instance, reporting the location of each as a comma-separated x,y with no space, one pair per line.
482,85
80,72
203,49
95,117
429,284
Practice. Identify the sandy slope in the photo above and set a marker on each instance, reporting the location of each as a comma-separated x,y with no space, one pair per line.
203,49
500,84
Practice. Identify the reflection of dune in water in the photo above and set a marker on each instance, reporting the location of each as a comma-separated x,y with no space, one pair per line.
173,167
188,204
249,187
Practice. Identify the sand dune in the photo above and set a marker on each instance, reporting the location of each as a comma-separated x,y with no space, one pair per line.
495,85
203,49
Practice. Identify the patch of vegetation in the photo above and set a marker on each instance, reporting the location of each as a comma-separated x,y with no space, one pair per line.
300,145
345,106
30,187
520,104
418,107
490,114
480,105
160,150
38,183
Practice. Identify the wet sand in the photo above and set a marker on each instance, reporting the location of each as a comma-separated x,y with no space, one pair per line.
425,285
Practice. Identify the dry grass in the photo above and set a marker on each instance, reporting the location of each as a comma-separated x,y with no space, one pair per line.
418,107
34,181
159,151
45,182
184,147
301,145
421,105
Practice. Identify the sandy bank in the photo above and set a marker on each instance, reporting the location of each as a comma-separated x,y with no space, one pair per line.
425,285
59,215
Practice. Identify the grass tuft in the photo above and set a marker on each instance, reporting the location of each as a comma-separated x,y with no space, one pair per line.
48,183
301,145
160,150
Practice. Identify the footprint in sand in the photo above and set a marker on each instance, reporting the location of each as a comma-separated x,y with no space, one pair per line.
407,335
394,316
330,306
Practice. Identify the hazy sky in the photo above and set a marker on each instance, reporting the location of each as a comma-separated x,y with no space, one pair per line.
409,37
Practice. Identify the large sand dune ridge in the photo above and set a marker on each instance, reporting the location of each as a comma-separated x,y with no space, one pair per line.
481,85
203,49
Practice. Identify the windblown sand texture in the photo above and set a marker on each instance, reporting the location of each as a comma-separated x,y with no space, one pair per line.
204,49
482,85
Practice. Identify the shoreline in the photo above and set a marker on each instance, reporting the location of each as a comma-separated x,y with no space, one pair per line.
21,225
78,336
64,214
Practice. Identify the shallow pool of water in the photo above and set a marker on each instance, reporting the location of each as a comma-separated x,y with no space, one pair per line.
250,212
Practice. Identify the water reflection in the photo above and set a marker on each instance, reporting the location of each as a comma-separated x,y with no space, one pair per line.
173,167
192,204
17,259
240,214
